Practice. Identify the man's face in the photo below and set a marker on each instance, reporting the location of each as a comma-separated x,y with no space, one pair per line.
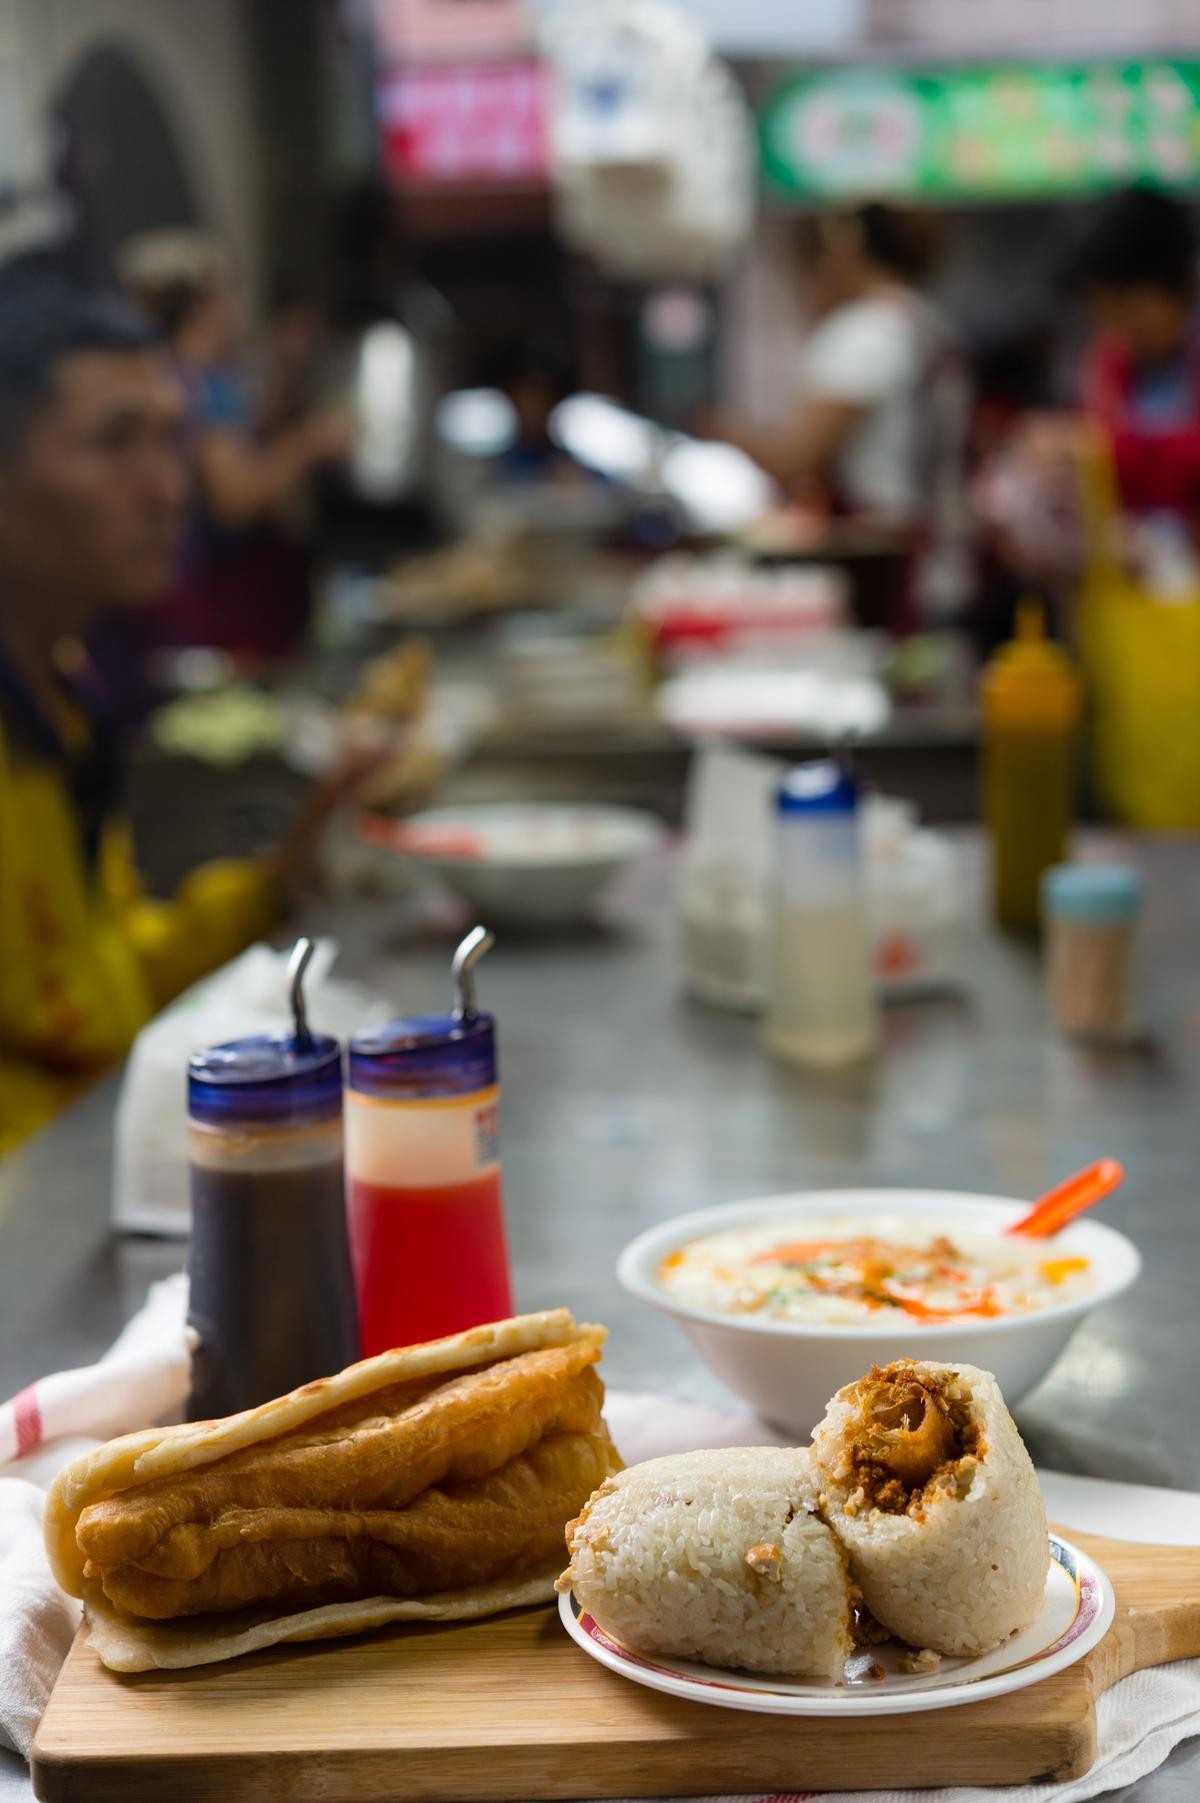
92,499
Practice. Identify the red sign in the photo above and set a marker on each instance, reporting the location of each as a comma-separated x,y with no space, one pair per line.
464,122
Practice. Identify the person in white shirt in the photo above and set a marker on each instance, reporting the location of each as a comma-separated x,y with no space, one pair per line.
881,431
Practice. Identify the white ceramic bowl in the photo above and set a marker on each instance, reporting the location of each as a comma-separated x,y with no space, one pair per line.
541,862
788,1370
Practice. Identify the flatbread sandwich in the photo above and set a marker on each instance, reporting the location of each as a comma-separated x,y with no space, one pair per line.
432,1482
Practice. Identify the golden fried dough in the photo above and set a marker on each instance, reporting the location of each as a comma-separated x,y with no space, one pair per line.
463,1428
427,1473
450,1537
909,1430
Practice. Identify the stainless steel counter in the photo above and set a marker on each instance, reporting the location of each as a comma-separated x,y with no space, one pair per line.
624,1103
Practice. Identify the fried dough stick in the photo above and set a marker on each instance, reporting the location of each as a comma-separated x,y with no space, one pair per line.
453,1431
450,1537
910,1432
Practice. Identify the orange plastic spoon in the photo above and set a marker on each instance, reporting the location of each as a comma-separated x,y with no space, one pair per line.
1066,1200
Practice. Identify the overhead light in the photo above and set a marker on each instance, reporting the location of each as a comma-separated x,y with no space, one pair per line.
718,486
478,422
607,438
386,406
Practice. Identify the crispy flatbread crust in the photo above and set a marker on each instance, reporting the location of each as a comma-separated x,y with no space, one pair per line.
537,1422
126,1645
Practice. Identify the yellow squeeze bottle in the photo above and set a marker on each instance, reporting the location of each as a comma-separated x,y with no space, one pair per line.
1031,699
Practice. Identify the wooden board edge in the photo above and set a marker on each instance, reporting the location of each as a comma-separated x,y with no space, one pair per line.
1061,1751
978,1745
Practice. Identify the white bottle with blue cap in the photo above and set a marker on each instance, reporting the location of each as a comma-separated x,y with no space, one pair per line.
821,1001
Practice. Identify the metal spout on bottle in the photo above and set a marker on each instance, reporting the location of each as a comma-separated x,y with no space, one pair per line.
298,963
478,942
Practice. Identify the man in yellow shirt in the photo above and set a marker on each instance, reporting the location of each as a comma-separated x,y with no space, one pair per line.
93,487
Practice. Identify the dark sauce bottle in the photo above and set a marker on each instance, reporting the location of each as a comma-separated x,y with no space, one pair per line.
272,1295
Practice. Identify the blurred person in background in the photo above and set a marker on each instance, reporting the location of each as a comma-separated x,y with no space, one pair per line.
1137,394
93,496
1136,272
1024,496
243,584
535,378
880,433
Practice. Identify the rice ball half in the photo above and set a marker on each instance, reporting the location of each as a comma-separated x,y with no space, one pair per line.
716,1556
927,1484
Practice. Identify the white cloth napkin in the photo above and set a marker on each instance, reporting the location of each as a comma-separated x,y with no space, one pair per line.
143,1378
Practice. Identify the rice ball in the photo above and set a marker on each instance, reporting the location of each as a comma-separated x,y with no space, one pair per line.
718,1557
927,1484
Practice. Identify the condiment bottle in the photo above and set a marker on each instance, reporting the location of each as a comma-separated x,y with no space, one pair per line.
821,1003
271,1288
1090,913
423,1162
1031,699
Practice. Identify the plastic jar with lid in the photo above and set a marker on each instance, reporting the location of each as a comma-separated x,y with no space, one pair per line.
1090,914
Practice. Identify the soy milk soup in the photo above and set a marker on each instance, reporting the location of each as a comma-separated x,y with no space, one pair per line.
868,1268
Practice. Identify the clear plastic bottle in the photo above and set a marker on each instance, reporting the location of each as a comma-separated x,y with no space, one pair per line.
821,1001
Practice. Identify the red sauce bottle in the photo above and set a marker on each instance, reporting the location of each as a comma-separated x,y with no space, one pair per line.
423,1177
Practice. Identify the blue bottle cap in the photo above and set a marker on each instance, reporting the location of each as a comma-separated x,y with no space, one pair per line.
425,1055
1094,894
269,1079
821,787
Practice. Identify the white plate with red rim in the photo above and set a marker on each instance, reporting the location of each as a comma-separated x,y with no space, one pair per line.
1076,1614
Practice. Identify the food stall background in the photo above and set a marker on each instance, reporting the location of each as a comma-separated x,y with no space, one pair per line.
543,568
547,262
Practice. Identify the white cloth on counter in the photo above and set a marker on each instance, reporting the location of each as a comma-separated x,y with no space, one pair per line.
37,1619
143,1378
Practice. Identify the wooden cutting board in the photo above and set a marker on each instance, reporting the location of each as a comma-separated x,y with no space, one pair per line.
513,1709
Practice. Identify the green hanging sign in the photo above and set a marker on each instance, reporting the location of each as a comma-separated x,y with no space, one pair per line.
1004,132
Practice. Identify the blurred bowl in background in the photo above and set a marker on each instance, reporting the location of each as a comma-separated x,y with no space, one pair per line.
537,862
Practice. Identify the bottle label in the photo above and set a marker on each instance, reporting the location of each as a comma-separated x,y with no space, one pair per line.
424,1142
487,1134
